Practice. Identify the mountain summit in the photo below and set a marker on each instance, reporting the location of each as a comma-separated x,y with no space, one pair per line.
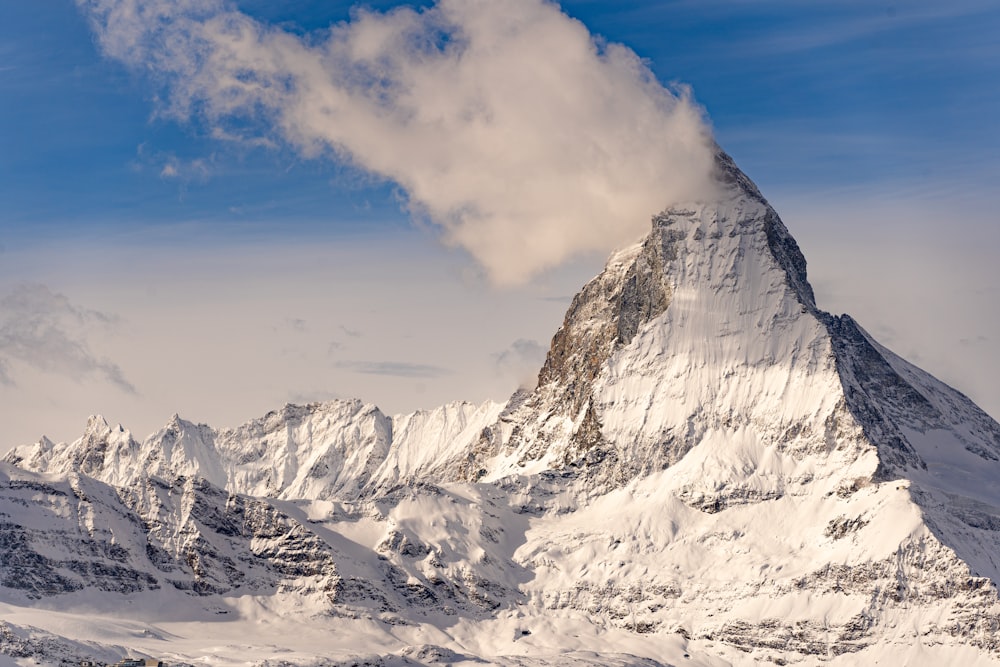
710,469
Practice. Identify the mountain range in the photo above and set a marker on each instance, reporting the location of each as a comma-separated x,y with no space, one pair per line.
710,470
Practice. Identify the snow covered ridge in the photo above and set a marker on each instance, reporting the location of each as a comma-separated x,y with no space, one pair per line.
320,451
711,470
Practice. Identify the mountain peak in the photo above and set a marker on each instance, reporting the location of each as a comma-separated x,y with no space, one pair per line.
97,424
718,285
731,179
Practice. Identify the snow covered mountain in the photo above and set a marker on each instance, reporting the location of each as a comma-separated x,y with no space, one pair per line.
340,449
710,470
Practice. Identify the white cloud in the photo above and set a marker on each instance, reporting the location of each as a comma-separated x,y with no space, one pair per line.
526,139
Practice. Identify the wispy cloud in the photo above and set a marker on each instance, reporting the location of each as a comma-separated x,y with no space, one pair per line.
351,333
171,167
44,330
523,137
829,24
394,368
316,396
296,324
521,361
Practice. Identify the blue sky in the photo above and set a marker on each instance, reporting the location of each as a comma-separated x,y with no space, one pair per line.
874,128
804,95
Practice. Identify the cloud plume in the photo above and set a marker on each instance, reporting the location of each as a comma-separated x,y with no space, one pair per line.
522,136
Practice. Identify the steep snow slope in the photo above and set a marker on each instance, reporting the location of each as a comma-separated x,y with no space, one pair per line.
709,463
706,335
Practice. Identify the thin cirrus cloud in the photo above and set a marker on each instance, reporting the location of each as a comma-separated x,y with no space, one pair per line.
394,368
524,138
46,331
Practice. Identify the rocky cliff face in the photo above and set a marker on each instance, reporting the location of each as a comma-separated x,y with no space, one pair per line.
707,455
63,536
